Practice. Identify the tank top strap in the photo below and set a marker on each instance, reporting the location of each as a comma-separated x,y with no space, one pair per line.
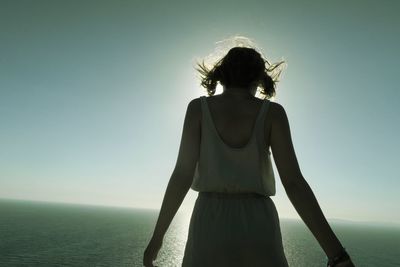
261,113
261,125
206,116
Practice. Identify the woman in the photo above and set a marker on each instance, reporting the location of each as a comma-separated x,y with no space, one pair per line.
224,155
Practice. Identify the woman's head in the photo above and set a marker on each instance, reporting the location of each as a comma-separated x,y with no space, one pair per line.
241,67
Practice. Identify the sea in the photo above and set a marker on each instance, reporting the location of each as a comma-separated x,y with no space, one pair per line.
54,234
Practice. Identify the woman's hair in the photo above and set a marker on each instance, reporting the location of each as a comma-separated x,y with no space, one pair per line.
241,67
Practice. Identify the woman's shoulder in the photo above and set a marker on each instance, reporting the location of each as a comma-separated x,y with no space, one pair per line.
194,108
195,103
276,107
277,112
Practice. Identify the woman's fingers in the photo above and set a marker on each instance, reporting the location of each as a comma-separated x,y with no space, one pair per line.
346,263
148,257
151,252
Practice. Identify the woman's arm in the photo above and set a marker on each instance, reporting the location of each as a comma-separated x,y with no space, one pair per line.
173,197
182,176
296,187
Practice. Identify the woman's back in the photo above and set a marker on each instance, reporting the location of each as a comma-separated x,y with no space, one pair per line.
234,168
234,118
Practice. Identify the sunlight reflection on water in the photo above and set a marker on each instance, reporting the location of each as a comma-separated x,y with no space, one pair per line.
43,234
171,254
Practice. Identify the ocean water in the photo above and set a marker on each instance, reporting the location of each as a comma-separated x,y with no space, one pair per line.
50,234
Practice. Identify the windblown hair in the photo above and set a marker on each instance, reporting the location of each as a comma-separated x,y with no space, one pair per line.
241,67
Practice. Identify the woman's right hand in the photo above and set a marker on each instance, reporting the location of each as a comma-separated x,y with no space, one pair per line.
151,251
346,263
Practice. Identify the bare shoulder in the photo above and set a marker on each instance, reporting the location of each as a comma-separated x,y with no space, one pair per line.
277,112
194,105
276,108
194,109
194,102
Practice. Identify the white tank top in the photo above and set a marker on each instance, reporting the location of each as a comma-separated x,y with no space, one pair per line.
222,168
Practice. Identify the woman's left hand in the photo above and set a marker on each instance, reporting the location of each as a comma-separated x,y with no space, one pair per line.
150,253
346,263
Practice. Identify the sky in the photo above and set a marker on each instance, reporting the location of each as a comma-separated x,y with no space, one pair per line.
93,96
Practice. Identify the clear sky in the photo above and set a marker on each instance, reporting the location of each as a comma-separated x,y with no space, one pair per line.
93,96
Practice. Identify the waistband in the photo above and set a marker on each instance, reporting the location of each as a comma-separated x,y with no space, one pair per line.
231,195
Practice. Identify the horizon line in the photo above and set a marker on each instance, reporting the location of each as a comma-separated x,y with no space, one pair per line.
336,220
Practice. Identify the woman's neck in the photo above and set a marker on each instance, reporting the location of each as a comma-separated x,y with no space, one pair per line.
239,92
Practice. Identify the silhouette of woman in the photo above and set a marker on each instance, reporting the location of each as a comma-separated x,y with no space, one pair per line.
224,155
